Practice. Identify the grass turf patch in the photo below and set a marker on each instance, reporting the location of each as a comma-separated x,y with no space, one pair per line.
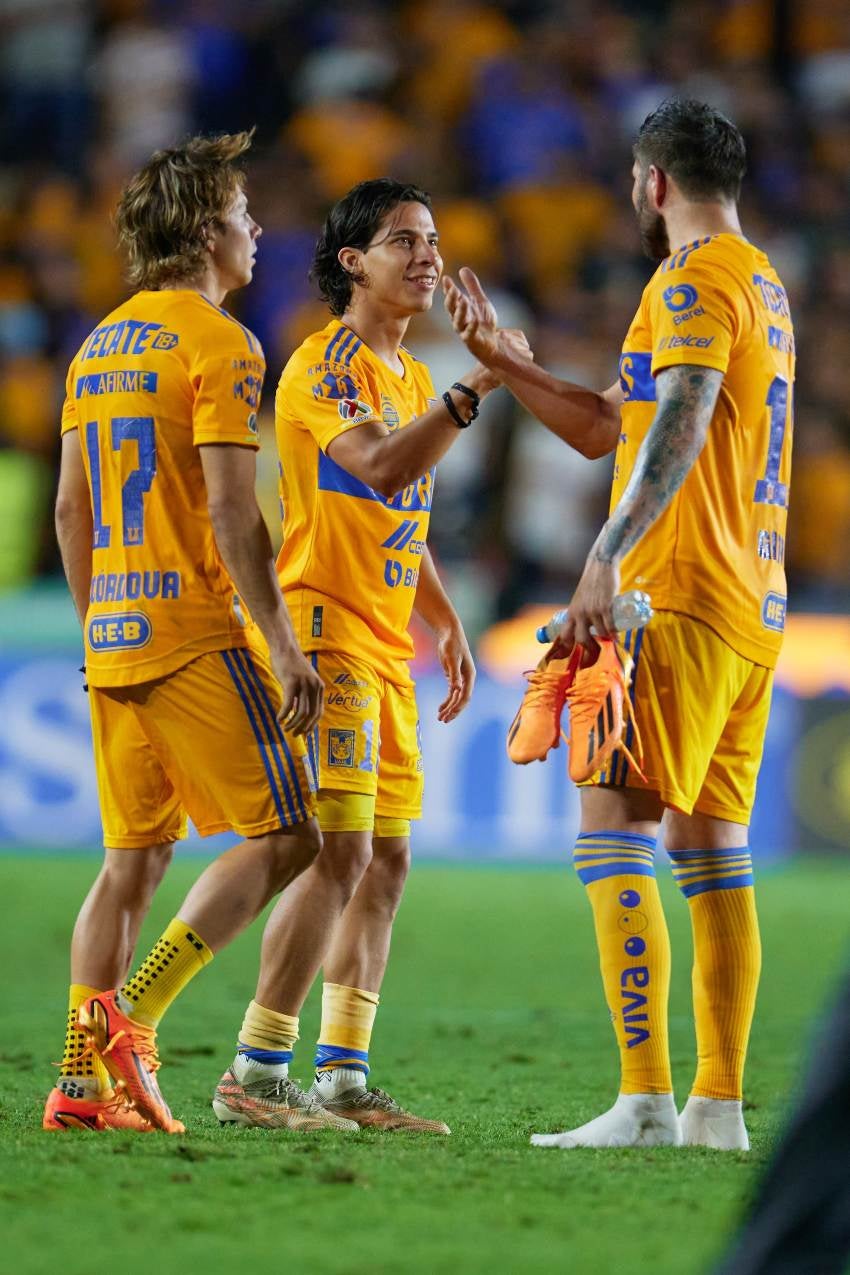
492,1018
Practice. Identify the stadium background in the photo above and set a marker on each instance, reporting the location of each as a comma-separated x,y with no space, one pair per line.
517,117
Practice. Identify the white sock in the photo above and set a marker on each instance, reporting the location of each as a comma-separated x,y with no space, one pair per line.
714,1122
635,1120
246,1070
330,1084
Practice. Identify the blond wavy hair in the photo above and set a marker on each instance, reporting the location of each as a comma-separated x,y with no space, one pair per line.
167,206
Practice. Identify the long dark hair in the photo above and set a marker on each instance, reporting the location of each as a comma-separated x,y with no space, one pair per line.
352,223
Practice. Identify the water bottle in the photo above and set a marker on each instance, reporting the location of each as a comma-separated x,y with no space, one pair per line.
631,610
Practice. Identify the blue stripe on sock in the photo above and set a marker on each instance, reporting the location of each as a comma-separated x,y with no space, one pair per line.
682,856
231,667
634,838
265,1055
600,871
335,1054
723,883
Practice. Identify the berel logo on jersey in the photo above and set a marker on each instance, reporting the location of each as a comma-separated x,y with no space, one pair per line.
119,632
680,296
354,410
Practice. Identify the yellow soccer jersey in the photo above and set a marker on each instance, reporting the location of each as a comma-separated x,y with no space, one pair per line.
350,558
165,372
717,552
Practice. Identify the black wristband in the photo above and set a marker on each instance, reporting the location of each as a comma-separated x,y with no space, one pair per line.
454,413
476,398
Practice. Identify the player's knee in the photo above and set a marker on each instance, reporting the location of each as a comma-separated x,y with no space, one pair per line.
134,875
345,857
293,851
392,858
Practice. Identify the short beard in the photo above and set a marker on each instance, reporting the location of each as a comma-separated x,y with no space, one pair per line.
653,232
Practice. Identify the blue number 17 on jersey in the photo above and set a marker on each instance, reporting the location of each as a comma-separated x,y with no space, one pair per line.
123,429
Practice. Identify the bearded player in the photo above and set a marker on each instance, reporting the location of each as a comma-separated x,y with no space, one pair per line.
701,420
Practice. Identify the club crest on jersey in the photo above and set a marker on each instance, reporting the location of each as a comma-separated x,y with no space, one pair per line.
389,413
341,748
354,410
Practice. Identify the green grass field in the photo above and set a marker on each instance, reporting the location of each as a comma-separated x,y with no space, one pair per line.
492,1018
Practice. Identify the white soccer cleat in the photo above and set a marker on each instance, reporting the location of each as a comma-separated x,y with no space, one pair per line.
714,1122
635,1120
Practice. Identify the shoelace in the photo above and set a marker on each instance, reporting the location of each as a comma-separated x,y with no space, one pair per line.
284,1090
87,1051
378,1098
543,689
587,694
144,1047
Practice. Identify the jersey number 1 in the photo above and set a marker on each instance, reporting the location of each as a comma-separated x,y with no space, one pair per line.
769,490
139,429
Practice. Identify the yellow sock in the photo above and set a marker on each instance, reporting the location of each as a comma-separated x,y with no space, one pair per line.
634,952
718,885
267,1036
348,1016
173,961
80,1068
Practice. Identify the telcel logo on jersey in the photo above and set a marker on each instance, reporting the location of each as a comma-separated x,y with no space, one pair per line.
773,611
680,296
119,632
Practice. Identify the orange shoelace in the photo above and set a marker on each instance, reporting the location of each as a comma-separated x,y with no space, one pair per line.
144,1047
543,688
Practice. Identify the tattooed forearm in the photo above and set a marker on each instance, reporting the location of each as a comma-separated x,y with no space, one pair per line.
686,399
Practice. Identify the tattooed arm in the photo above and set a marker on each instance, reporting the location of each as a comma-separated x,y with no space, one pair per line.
686,398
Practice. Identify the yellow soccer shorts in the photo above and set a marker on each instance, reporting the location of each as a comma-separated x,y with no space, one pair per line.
203,742
366,750
702,713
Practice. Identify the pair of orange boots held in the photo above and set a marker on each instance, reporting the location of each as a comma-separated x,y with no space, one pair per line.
597,692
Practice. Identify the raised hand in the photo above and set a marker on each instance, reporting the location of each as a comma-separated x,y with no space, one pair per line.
475,320
473,315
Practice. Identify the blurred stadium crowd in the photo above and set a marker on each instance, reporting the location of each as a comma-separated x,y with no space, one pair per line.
518,118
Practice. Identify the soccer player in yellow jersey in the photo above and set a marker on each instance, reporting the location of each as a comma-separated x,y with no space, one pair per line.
166,555
701,422
359,431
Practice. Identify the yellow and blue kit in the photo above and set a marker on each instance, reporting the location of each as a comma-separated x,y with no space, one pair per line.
349,565
715,556
183,702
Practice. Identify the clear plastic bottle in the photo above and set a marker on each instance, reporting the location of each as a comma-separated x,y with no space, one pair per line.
631,610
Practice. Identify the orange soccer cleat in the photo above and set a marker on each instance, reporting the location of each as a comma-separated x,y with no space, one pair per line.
536,729
108,1111
599,708
128,1052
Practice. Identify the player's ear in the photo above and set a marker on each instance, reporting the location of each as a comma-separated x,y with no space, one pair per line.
351,260
657,186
